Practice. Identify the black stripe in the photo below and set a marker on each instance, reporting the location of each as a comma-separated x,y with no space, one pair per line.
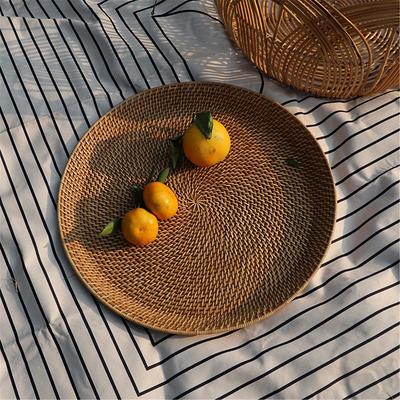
342,102
364,147
171,355
135,14
9,371
278,327
369,201
67,283
366,184
55,21
296,100
262,81
108,39
88,59
342,271
65,73
394,396
73,56
172,9
368,128
154,17
30,323
10,320
31,104
150,337
356,119
374,383
51,241
50,74
365,222
359,368
186,65
167,14
63,272
46,277
78,100
194,344
134,343
382,157
33,72
341,111
60,266
323,365
143,46
131,52
105,63
128,372
360,244
26,136
167,336
310,349
156,342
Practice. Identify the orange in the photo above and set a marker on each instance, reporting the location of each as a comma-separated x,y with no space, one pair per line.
139,227
205,152
160,200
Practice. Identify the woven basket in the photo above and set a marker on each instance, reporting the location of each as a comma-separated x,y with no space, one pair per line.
330,48
249,232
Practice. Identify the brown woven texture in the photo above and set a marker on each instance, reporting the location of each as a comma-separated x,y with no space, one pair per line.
249,232
330,48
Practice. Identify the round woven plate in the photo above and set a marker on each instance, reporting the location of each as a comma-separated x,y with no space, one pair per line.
249,233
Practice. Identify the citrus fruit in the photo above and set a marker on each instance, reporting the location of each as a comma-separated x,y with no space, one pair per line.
139,227
160,200
206,144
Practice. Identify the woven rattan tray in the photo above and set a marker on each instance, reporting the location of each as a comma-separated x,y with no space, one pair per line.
249,233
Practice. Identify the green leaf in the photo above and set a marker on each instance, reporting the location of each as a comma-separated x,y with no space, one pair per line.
137,194
175,153
163,175
293,163
136,189
151,175
177,139
111,228
204,122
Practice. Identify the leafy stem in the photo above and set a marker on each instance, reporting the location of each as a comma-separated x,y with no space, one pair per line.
163,176
175,150
111,228
204,122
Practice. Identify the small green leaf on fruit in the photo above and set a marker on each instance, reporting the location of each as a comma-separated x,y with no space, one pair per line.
204,122
293,163
137,192
111,228
163,176
175,153
151,175
177,139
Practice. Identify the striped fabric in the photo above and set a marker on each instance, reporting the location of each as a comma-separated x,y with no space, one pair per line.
63,64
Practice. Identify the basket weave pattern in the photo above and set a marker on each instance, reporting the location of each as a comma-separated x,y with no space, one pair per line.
249,232
330,48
